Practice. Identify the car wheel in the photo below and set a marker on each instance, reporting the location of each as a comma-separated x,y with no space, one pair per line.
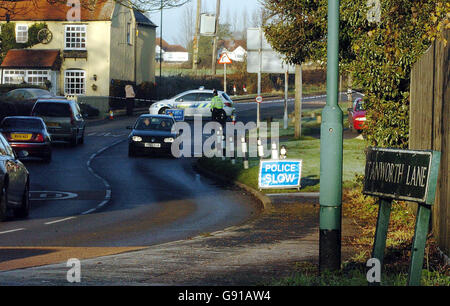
74,141
3,203
162,111
82,139
48,157
131,151
24,210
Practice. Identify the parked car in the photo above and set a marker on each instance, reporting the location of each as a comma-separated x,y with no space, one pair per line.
151,134
194,102
27,134
63,119
27,94
357,115
14,182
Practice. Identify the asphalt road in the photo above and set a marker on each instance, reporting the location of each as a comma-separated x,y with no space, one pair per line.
94,200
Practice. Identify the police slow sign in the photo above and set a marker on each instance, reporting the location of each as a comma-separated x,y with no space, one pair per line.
280,174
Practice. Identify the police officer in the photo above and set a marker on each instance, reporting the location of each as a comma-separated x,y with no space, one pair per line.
216,105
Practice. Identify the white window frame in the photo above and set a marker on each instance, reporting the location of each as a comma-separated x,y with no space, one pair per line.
70,40
17,76
82,89
21,33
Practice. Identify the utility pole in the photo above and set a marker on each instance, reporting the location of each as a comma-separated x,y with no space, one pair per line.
331,134
214,51
160,42
196,37
298,102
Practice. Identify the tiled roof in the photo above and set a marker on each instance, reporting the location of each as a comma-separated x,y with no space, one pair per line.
54,10
170,48
32,58
141,19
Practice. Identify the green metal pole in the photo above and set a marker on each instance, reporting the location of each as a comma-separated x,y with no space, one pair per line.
418,247
379,245
331,154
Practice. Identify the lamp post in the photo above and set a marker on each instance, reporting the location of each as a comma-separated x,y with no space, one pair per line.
160,43
331,154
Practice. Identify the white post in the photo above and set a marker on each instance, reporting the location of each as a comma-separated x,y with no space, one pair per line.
225,78
244,152
274,151
286,88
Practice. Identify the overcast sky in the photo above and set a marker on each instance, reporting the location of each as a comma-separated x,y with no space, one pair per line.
233,10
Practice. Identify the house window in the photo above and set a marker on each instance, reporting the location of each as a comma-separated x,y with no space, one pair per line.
37,77
75,37
13,76
74,82
129,33
34,77
21,33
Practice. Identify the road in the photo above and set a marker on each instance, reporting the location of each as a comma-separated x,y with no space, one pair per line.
93,200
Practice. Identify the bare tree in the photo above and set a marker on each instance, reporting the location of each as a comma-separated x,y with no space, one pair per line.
244,23
187,26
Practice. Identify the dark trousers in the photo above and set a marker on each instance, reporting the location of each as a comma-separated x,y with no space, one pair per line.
130,106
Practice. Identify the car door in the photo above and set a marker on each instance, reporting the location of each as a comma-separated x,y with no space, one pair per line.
187,102
78,118
13,169
204,103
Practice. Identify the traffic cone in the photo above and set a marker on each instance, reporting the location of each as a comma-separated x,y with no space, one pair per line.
245,89
111,115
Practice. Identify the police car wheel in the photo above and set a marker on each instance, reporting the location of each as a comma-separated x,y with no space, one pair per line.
162,111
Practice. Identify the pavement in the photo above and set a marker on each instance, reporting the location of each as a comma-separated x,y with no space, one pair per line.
269,247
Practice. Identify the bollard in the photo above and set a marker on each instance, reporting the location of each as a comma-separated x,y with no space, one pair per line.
224,148
274,151
244,152
260,149
111,115
233,160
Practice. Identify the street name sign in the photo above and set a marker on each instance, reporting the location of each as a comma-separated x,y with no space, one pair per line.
401,174
280,174
411,175
177,114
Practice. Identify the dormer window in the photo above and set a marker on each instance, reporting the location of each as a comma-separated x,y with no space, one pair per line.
75,37
21,33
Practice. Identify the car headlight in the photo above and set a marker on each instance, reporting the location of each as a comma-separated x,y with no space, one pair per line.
170,139
136,138
360,119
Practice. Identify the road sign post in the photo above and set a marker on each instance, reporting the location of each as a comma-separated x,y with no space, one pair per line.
402,175
224,59
331,145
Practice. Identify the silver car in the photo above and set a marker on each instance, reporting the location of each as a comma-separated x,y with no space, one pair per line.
194,102
63,119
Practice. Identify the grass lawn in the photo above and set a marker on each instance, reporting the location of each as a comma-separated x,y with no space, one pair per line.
307,149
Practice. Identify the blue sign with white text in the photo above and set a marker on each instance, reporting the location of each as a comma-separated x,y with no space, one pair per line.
177,114
280,173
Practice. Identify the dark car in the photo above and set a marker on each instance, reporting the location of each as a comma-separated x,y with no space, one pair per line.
151,134
357,115
28,134
63,119
27,94
14,182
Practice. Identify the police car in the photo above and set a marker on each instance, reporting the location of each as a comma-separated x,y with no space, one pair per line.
194,102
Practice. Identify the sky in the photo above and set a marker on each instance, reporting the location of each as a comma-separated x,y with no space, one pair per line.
172,25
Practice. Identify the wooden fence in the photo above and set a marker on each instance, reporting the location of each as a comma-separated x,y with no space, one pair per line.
429,127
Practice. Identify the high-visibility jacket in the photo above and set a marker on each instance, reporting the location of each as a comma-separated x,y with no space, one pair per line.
216,102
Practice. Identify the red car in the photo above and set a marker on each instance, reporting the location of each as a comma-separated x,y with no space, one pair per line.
28,134
357,115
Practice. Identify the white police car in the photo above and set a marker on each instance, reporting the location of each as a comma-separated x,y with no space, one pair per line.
194,102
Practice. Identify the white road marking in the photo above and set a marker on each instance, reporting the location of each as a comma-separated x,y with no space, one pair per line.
57,221
11,231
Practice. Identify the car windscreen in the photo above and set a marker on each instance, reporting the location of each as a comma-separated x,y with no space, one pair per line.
52,109
154,123
40,92
359,106
21,123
